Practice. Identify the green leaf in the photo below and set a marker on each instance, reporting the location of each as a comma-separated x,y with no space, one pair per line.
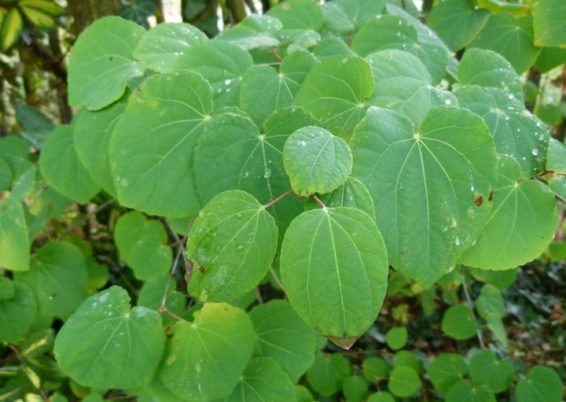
157,134
396,337
328,373
395,32
375,369
161,46
424,185
514,233
558,185
7,288
298,14
446,370
490,304
91,139
405,358
6,176
331,46
232,244
119,347
14,236
404,382
549,58
151,296
355,389
222,64
459,323
511,37
353,193
295,66
102,63
302,394
283,336
263,380
486,369
342,248
252,161
344,16
316,161
205,359
17,312
255,31
336,91
381,396
541,385
556,157
62,169
463,391
515,131
142,243
36,125
489,69
549,25
264,91
457,22
58,276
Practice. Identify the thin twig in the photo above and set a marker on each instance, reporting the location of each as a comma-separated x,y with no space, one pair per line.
277,280
172,273
258,295
165,310
276,200
319,201
86,217
471,305
276,54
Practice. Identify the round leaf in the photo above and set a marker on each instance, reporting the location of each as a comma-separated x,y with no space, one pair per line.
355,389
486,369
343,249
465,391
396,337
459,323
353,193
17,313
404,382
119,347
541,385
316,161
232,244
446,370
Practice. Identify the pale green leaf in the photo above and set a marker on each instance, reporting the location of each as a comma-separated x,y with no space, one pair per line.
61,168
284,336
336,91
206,358
521,224
232,244
142,243
550,23
316,161
102,62
255,31
342,248
556,157
151,149
298,14
344,16
353,194
58,276
119,347
14,236
396,337
161,46
425,184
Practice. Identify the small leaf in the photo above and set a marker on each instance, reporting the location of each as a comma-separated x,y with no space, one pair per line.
549,26
255,31
62,169
102,62
316,161
404,382
160,47
14,236
396,337
283,336
490,304
131,341
353,193
556,157
541,385
486,369
205,359
375,369
459,323
17,312
355,389
142,243
342,248
328,373
232,244
263,380
446,370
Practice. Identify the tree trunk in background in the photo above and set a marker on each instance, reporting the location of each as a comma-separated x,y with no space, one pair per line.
84,12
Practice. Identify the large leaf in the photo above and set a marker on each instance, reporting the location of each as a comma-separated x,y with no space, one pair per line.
457,22
61,168
334,268
336,91
426,184
151,149
521,225
91,138
316,161
263,380
119,347
232,244
58,276
298,14
550,23
344,16
16,312
255,31
162,45
142,243
222,64
205,359
486,369
284,336
511,37
14,237
102,62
